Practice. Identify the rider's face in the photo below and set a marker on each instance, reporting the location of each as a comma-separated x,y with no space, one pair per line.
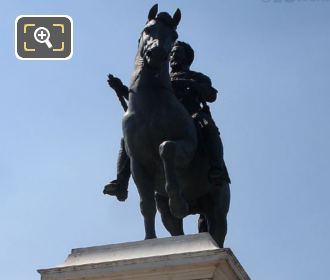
178,58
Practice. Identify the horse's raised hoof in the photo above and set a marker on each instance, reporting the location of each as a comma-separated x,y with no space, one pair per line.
114,188
178,206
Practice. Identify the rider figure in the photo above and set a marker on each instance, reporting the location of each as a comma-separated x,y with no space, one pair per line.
193,90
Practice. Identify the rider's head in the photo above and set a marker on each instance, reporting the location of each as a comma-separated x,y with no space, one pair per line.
181,56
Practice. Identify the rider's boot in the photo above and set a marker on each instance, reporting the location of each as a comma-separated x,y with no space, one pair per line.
119,187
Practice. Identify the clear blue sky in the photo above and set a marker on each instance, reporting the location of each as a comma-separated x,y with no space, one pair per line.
60,131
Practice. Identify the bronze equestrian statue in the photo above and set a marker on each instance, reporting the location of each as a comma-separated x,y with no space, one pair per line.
173,146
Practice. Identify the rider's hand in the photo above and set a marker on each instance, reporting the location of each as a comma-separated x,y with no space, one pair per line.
114,82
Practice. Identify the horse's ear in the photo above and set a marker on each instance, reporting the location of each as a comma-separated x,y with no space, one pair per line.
177,17
153,12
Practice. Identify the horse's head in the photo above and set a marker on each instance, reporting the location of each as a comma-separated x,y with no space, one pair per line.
157,37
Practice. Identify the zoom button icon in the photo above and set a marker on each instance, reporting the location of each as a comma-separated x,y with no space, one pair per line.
41,35
44,37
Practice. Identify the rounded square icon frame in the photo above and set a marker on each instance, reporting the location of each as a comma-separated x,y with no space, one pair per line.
37,58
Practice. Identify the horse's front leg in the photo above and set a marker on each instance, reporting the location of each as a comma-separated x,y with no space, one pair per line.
173,225
173,156
146,191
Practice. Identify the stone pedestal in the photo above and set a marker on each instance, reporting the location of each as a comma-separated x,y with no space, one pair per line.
177,258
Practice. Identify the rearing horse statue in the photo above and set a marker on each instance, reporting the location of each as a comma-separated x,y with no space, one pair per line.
162,141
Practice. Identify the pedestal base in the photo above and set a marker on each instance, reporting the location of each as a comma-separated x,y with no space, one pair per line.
188,257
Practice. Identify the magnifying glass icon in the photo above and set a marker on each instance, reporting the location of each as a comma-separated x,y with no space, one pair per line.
42,35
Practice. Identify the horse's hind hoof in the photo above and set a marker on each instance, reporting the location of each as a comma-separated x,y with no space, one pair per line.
179,207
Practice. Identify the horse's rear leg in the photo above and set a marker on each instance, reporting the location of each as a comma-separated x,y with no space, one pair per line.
217,214
202,223
168,153
171,223
146,191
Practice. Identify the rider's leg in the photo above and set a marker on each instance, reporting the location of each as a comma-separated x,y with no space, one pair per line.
213,142
123,166
214,147
119,186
